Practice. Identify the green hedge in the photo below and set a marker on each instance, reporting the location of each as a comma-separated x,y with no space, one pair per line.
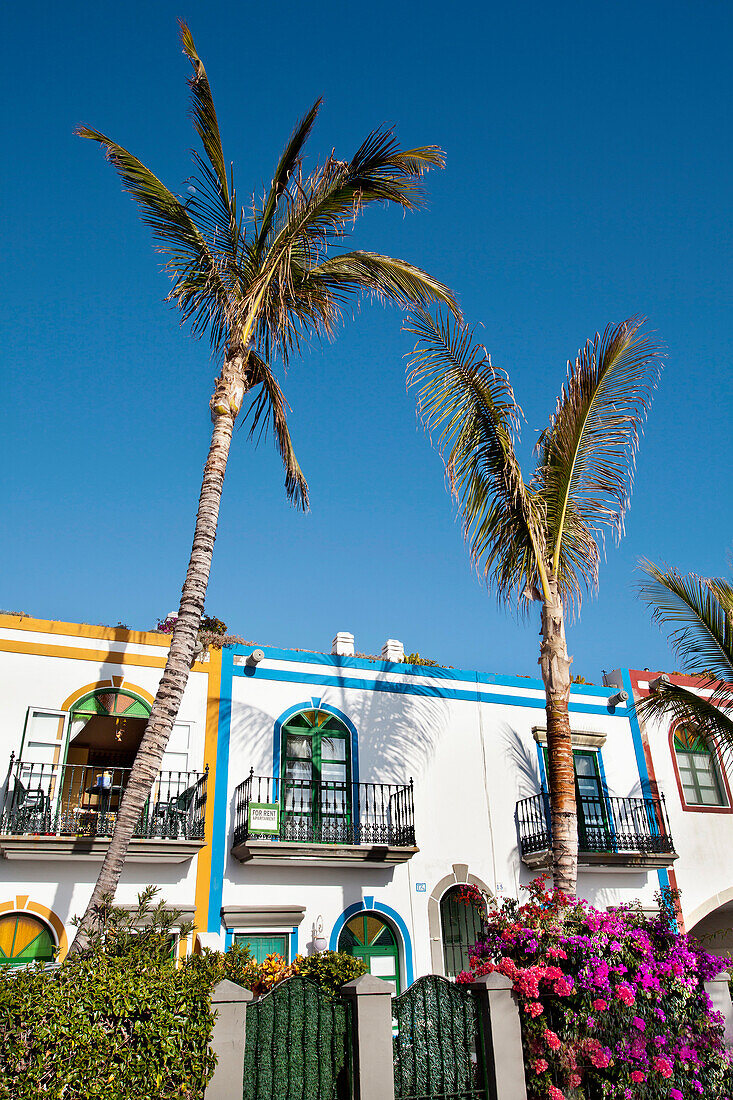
118,1021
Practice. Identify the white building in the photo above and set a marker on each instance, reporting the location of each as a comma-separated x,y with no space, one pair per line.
307,799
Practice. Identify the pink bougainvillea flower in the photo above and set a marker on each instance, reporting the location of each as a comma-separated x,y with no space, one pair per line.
555,1094
638,1023
600,1005
551,1039
663,1066
626,994
533,1008
675,1094
637,1076
540,1065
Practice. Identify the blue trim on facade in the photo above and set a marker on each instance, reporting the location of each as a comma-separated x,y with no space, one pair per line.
636,738
426,690
376,906
293,944
228,939
280,722
220,794
416,671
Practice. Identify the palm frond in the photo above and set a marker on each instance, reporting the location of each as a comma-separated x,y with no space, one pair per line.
587,453
200,290
700,611
390,279
469,407
218,205
712,722
289,160
204,113
270,409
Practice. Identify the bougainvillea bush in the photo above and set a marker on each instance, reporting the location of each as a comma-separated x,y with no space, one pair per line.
612,1003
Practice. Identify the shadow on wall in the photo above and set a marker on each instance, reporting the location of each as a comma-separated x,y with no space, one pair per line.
397,733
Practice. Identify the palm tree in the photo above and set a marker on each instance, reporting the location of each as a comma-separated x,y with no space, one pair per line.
700,612
539,540
258,282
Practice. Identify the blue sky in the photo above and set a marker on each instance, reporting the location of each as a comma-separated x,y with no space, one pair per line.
588,178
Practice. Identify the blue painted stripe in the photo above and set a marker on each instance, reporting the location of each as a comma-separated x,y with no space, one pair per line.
427,690
646,785
221,785
416,671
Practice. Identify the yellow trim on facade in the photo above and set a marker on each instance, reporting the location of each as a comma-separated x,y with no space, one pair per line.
203,861
84,630
100,656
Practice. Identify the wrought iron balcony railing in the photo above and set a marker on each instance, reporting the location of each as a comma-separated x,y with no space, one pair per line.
608,824
313,811
82,800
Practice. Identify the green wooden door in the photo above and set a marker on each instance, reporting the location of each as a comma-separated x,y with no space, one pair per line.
316,779
368,937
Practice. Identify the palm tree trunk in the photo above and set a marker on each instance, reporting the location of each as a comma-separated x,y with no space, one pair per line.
225,405
555,665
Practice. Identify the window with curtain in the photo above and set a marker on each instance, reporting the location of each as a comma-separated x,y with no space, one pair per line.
700,777
460,921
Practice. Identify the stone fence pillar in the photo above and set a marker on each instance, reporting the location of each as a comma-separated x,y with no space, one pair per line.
371,1001
718,990
501,1028
229,1001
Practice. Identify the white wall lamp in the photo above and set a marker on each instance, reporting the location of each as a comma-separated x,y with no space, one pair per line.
255,657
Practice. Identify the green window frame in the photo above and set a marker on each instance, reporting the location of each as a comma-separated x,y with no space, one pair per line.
700,777
461,927
594,830
25,939
367,936
316,800
262,944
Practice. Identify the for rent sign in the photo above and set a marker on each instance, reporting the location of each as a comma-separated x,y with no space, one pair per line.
263,817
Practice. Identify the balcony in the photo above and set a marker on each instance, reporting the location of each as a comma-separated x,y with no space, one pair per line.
612,832
308,821
68,811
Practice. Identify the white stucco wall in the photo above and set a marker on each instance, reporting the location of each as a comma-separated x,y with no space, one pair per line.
34,680
470,762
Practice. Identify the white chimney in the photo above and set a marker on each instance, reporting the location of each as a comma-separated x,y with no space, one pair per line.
392,650
343,644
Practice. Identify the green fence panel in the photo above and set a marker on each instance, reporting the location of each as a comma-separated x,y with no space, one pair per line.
298,1045
438,1054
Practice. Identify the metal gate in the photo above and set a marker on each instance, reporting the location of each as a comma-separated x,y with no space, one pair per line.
437,1047
298,1045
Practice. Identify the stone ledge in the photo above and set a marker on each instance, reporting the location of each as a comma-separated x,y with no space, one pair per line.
620,861
274,853
95,848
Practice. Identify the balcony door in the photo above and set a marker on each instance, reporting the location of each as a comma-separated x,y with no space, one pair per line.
594,831
594,834
316,779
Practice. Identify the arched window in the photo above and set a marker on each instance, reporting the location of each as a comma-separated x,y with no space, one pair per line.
369,937
24,939
316,775
460,919
700,777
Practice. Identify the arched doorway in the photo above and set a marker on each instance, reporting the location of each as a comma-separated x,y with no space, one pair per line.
25,939
461,926
316,777
370,937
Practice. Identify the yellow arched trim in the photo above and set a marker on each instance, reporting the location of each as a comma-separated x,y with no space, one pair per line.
102,685
84,630
23,905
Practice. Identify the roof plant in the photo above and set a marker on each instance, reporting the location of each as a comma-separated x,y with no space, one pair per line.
539,541
258,280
